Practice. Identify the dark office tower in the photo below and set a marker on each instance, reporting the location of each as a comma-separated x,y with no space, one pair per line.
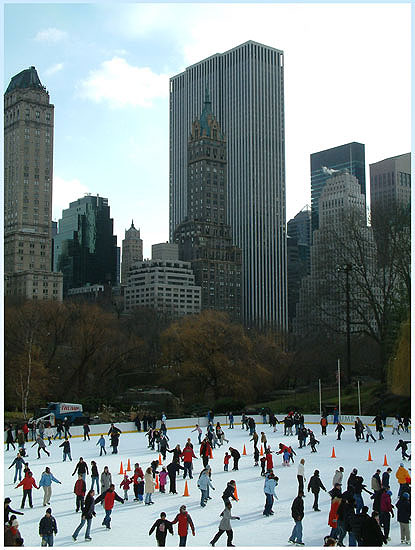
28,171
247,92
85,247
204,238
350,157
298,257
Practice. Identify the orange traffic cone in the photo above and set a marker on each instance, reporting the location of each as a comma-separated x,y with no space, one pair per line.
385,461
261,452
159,459
369,458
121,470
333,454
186,490
244,451
128,466
157,482
235,493
210,453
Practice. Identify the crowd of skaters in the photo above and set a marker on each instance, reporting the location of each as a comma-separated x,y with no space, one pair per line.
348,514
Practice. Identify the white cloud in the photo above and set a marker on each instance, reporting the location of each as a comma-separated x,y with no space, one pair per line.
121,84
54,69
64,192
51,35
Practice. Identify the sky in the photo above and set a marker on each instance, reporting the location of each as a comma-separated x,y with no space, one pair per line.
107,68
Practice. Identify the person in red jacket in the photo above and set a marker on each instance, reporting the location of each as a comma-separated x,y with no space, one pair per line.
79,490
108,496
386,511
205,451
268,458
27,482
185,521
25,430
125,484
187,456
333,517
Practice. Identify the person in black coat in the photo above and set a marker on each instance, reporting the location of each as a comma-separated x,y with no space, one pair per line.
236,455
87,429
370,532
88,512
10,438
403,507
229,492
297,513
47,528
162,526
403,445
172,470
315,484
81,468
339,429
8,510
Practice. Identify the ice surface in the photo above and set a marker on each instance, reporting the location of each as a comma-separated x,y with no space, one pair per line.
131,521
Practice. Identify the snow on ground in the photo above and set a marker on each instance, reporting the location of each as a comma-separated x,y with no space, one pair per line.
131,521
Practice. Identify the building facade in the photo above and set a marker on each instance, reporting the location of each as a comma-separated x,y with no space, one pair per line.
247,93
204,238
28,171
85,246
298,257
350,157
163,283
132,251
390,182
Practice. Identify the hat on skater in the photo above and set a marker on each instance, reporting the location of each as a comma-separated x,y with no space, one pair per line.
401,464
49,510
7,500
405,495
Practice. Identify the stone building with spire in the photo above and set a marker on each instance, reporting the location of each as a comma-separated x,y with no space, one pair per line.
28,182
205,237
132,251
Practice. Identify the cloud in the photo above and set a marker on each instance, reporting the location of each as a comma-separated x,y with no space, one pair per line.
121,84
64,192
51,35
54,69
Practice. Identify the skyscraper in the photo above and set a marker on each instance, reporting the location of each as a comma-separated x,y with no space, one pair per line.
390,182
85,247
350,156
132,251
204,238
28,169
247,93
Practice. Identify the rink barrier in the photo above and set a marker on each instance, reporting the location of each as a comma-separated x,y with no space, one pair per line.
189,423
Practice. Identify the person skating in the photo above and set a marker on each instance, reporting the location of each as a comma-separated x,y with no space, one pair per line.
205,451
203,484
149,486
225,526
231,420
236,455
313,442
172,470
339,429
297,513
49,433
18,463
268,459
79,490
94,475
81,468
48,528
270,485
106,479
115,439
162,527
199,433
338,476
138,485
386,511
163,446
108,497
395,426
41,446
188,455
314,485
386,478
86,429
256,456
184,522
88,512
335,492
359,487
46,483
301,476
369,433
8,510
21,440
403,477
403,507
333,517
66,449
10,438
371,534
163,479
12,534
28,482
125,485
323,424
66,427
229,492
176,453
101,443
403,445
378,425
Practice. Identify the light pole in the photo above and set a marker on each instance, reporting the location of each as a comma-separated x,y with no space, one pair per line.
347,269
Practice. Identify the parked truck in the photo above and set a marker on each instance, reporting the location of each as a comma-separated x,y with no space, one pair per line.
60,411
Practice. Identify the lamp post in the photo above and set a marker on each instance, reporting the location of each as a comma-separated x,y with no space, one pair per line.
346,269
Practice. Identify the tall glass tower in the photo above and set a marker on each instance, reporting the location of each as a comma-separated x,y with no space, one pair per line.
350,156
247,93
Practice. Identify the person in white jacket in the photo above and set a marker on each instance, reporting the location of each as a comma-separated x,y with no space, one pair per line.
395,426
338,476
225,525
300,476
